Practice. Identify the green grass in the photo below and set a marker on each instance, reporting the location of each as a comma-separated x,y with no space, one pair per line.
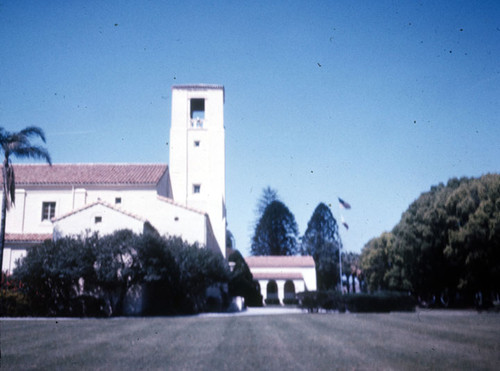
422,340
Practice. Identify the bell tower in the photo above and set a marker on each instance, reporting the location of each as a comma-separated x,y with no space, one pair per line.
197,155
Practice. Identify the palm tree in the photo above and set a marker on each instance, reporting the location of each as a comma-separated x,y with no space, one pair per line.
18,145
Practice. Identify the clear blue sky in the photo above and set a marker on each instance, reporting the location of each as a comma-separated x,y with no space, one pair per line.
372,101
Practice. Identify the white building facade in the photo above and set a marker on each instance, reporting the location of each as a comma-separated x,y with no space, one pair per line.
186,200
280,278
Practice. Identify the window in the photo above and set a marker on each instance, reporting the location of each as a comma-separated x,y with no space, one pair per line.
196,188
118,200
98,219
48,210
197,112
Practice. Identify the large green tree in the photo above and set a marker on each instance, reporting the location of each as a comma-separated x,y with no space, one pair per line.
446,243
17,144
322,241
375,262
276,232
473,244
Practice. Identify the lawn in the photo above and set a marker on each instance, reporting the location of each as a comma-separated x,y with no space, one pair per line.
422,340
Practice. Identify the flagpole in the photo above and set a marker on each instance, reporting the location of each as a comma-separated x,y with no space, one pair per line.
340,257
340,267
342,205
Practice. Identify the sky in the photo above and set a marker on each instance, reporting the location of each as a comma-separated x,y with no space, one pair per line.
370,101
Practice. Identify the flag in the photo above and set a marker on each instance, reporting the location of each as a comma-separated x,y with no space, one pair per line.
344,223
344,204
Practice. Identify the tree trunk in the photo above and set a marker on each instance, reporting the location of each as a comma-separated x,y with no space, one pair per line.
4,215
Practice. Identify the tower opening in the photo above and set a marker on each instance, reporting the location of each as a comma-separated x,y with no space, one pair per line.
197,112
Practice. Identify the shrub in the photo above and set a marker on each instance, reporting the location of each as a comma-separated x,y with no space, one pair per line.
291,301
385,301
92,275
88,306
254,298
14,304
315,300
241,281
275,301
378,302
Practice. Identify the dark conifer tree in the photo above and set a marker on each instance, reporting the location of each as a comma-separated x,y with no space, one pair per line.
322,241
276,232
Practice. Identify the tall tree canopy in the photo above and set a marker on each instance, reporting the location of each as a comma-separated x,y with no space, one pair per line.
268,195
276,232
322,241
17,145
375,262
447,241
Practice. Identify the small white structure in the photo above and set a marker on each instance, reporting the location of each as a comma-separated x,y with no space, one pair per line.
187,200
281,277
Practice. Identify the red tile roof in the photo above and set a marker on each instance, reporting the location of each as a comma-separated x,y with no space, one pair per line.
277,276
85,174
27,237
279,261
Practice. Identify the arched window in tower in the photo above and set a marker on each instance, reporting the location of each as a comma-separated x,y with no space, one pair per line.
197,112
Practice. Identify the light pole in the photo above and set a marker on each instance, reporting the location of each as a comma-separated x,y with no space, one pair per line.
340,268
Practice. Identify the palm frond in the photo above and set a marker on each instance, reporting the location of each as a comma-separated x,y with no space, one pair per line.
33,152
16,141
33,131
3,135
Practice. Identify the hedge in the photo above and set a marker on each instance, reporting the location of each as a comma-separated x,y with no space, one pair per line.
273,301
313,301
290,301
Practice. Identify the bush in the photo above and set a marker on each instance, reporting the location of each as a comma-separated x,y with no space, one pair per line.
93,276
313,301
273,301
254,298
241,281
88,306
14,304
380,302
291,301
13,301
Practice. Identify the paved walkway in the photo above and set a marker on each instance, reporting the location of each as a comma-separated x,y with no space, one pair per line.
258,312
262,311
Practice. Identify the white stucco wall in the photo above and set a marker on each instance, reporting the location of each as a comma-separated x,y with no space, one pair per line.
175,220
26,215
202,164
10,257
298,284
111,220
164,214
308,273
